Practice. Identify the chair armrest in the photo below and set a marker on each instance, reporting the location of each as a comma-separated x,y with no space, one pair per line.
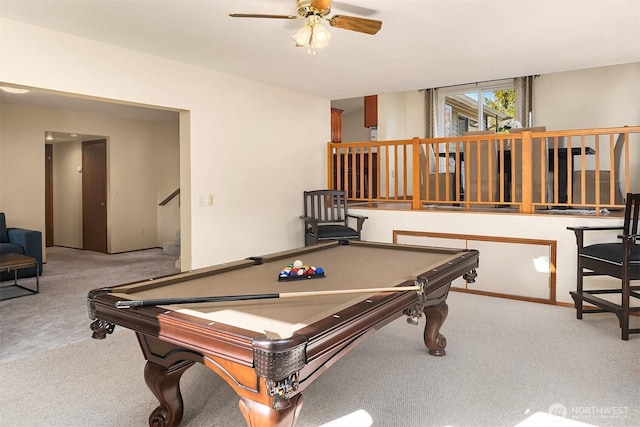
579,232
359,221
630,237
358,216
30,240
310,223
309,219
590,228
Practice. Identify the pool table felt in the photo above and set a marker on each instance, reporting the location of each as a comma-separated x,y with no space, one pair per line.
371,267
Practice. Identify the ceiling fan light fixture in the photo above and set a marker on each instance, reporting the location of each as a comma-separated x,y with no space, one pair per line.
303,36
313,35
320,37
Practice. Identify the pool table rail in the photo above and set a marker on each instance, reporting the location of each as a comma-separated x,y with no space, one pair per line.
195,333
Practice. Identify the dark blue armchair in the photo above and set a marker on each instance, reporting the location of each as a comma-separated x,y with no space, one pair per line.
20,241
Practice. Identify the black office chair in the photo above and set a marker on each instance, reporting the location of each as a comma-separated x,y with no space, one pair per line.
326,217
620,259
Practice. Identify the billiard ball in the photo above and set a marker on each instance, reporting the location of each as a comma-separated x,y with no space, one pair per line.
297,263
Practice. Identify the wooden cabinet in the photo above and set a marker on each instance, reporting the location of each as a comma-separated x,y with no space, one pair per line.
336,125
371,111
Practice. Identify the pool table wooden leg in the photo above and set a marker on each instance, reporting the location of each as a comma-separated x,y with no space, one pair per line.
165,385
259,415
433,339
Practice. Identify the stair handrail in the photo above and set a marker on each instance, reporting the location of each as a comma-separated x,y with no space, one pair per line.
169,197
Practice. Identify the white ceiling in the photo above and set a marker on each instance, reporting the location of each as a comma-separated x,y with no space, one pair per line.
422,43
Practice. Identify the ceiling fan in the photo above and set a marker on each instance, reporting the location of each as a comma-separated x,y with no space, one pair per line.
313,35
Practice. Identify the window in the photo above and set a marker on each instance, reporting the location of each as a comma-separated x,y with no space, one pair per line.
459,108
448,117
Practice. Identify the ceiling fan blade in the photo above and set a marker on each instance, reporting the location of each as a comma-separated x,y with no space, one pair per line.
258,15
353,9
321,4
361,25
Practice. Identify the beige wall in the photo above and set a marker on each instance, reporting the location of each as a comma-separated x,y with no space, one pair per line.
143,163
136,157
401,115
67,193
231,147
21,174
593,98
353,126
167,180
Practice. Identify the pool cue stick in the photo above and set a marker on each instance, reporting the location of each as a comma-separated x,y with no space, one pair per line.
282,295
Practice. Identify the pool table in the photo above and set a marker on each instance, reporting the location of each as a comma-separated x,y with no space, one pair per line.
270,350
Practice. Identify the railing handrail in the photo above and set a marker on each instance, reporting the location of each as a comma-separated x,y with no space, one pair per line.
366,168
169,198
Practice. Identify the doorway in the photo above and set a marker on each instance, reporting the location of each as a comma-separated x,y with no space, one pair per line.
75,191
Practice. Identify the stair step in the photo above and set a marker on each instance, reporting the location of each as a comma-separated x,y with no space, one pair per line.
171,248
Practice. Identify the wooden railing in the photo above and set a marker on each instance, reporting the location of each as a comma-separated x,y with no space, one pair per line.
169,197
528,170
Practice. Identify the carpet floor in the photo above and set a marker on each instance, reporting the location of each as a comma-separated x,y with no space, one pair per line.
507,362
